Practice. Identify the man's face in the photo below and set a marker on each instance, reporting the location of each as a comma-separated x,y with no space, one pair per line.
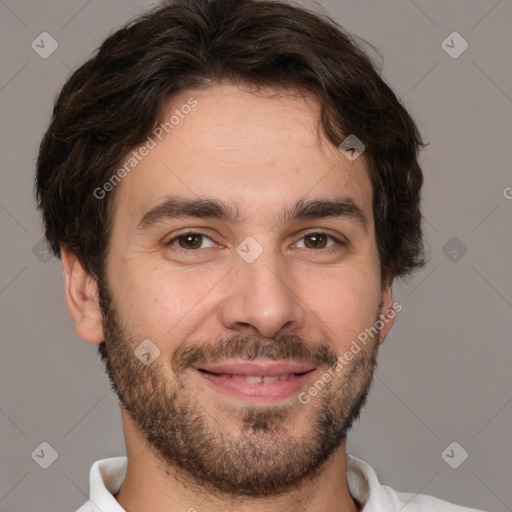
225,301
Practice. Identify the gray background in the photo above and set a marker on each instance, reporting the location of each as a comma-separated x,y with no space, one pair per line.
444,371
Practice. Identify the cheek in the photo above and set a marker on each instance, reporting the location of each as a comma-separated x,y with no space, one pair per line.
159,304
346,302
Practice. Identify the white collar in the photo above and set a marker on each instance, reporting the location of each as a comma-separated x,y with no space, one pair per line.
107,477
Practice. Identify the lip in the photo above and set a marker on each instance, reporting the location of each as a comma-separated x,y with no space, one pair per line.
264,368
220,377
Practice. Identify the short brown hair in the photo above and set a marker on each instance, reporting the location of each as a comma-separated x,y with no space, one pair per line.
113,102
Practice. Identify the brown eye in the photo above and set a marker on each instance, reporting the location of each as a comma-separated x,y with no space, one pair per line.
318,240
189,241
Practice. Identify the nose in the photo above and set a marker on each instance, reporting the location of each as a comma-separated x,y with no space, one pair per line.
262,298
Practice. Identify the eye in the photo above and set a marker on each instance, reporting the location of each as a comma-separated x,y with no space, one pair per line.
192,240
189,240
318,240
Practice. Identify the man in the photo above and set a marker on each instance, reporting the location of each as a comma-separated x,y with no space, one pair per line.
233,189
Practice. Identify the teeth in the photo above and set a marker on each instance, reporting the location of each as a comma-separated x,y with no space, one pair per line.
255,379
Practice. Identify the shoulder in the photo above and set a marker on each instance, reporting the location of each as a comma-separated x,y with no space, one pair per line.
410,502
365,487
87,507
105,479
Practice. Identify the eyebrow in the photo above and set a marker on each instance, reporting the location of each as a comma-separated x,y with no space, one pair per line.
208,208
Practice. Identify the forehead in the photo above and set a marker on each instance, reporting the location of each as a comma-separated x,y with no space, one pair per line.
256,151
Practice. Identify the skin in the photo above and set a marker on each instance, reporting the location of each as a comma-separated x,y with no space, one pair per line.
260,153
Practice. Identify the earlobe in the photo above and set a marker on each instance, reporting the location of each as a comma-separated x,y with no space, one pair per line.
387,313
82,300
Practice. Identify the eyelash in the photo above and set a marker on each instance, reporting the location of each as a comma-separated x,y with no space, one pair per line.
198,233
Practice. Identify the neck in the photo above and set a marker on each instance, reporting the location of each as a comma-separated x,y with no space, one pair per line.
152,486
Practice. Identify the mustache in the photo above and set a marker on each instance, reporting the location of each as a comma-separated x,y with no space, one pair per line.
285,347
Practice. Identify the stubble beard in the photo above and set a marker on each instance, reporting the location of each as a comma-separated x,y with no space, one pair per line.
239,452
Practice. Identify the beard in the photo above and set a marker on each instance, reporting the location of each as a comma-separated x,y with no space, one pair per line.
237,451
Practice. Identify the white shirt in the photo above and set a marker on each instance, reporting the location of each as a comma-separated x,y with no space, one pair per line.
107,476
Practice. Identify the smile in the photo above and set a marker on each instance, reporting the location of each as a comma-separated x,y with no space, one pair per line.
268,381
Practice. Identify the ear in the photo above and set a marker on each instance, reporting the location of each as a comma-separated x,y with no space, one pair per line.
387,312
82,298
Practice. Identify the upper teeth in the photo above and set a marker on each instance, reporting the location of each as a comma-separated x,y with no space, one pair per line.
253,379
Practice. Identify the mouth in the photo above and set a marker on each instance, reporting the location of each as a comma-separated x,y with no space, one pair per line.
260,381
